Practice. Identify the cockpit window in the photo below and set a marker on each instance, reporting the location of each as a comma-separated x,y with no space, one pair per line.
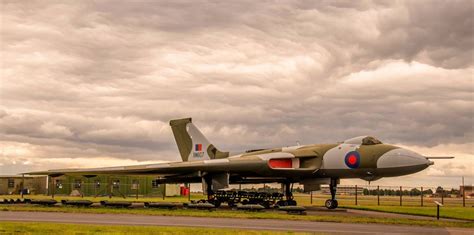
369,140
363,140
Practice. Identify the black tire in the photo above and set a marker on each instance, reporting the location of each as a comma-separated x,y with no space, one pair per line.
331,204
282,203
291,202
266,204
217,203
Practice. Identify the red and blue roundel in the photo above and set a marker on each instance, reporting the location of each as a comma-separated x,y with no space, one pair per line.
352,159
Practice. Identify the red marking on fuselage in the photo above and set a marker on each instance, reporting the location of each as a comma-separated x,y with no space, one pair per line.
280,163
352,159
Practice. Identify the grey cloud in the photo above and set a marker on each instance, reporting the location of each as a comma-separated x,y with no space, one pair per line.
438,33
108,77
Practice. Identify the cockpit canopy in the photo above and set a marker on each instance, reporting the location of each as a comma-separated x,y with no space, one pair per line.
363,140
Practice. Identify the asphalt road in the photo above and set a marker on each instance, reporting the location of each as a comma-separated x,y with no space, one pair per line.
255,224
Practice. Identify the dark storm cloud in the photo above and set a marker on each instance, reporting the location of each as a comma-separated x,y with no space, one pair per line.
106,77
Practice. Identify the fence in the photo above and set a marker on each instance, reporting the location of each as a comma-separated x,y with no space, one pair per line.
373,195
395,196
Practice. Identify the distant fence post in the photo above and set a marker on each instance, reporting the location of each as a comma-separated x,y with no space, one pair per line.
356,194
311,197
22,188
400,195
442,197
463,193
464,197
378,195
421,196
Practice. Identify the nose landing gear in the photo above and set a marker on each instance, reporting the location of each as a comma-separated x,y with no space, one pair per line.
332,203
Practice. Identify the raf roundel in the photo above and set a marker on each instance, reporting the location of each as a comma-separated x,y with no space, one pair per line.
352,159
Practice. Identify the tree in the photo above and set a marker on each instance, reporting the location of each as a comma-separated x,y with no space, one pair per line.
428,192
439,190
365,192
415,192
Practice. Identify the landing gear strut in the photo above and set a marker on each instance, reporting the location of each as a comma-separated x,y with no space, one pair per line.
288,196
210,193
332,203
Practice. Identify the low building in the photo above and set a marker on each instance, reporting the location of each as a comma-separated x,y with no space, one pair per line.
343,190
14,184
82,186
111,185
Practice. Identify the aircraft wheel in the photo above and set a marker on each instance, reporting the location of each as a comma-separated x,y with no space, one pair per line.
217,203
331,204
266,204
282,203
291,202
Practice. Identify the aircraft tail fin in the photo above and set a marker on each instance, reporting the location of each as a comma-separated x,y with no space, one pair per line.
192,144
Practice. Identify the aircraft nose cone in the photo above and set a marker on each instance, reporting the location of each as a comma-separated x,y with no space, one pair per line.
402,158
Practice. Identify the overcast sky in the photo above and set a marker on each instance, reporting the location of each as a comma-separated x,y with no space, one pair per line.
90,84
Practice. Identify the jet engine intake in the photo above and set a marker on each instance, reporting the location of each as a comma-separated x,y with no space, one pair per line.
284,163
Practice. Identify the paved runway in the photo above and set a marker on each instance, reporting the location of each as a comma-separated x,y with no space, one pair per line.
256,224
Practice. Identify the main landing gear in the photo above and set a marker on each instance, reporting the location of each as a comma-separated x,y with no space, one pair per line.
288,196
210,193
332,203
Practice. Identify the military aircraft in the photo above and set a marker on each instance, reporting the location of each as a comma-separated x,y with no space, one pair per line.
362,157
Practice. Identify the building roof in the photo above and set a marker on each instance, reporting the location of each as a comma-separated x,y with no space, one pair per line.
20,176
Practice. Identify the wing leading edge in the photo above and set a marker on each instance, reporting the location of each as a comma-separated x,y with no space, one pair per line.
249,163
256,165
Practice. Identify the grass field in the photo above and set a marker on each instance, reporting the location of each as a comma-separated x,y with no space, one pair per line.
53,228
445,212
302,199
453,211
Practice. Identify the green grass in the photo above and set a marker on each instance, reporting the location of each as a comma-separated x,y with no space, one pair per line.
303,200
239,214
453,209
466,213
55,228
115,198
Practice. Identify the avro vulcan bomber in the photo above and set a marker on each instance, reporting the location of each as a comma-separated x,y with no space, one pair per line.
362,157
